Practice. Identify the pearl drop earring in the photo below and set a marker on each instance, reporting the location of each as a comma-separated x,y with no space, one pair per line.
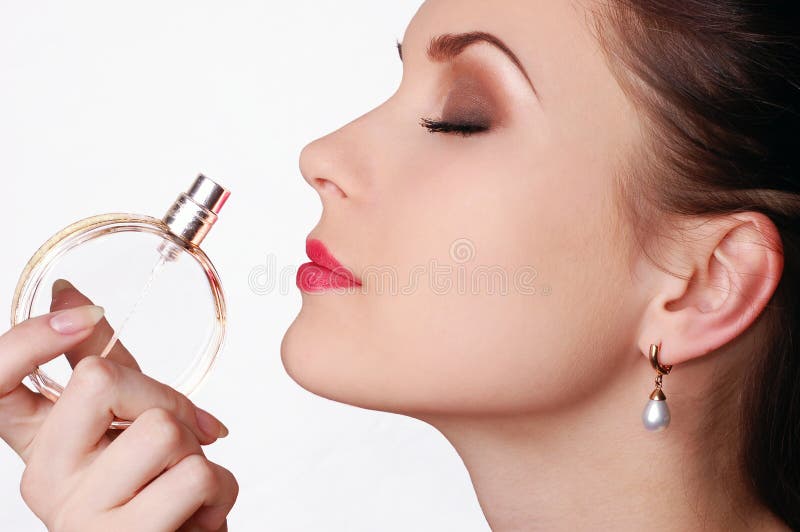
656,413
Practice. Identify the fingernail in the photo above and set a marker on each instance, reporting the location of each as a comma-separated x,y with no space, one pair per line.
60,285
210,425
76,319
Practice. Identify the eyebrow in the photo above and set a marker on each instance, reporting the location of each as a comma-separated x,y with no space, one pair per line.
448,46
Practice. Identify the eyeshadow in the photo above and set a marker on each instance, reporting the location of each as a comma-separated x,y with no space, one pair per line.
468,102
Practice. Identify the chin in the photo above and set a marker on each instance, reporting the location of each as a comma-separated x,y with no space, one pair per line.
318,359
337,365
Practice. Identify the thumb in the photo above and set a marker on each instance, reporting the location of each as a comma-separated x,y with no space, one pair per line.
65,295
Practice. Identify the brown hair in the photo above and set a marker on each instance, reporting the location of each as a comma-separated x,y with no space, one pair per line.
717,84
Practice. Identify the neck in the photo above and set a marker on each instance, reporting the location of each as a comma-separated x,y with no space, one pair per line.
594,466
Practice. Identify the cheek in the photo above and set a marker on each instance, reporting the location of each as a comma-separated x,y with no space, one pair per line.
505,298
485,297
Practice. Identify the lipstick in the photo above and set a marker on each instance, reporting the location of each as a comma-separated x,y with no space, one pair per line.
324,272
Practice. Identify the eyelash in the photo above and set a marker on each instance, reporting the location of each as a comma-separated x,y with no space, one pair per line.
439,126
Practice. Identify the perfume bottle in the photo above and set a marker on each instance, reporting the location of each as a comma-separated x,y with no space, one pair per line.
163,299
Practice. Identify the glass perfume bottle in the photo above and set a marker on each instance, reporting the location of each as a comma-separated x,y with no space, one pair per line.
162,296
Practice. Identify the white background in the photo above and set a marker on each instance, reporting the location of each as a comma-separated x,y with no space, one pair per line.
112,106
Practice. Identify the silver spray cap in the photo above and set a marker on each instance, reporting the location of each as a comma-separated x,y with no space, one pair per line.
195,211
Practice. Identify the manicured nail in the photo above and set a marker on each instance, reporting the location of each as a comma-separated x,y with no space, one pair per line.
210,425
76,319
60,285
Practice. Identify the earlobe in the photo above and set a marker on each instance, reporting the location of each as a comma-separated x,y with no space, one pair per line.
735,272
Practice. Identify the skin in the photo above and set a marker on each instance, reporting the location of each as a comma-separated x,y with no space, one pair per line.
541,395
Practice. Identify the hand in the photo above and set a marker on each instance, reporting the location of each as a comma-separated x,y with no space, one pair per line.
79,475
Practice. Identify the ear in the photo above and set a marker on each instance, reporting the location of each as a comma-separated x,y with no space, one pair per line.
732,267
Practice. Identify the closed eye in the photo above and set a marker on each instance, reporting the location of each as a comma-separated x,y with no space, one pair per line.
440,126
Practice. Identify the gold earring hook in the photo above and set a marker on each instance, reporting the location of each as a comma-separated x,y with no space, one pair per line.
662,370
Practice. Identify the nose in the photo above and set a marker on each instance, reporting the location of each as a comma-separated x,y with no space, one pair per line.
343,163
323,165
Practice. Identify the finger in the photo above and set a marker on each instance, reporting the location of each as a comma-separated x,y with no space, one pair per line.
100,390
65,295
197,490
23,348
157,439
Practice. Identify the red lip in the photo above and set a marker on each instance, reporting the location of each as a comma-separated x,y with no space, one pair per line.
324,272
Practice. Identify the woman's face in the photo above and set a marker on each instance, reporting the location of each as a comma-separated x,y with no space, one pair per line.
494,267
